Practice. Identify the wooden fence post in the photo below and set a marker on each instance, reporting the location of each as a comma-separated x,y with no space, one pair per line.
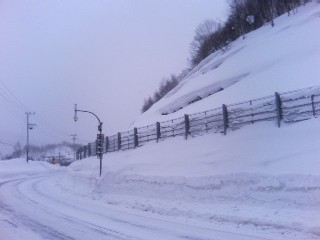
119,141
313,107
158,131
89,149
278,108
187,126
135,136
225,118
85,151
251,112
107,144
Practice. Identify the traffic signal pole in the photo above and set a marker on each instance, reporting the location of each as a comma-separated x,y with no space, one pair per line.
99,148
100,155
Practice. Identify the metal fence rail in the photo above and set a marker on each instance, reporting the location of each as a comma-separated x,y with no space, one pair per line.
147,134
288,107
172,128
112,143
205,122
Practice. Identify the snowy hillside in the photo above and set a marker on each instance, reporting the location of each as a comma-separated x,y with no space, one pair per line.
259,182
280,58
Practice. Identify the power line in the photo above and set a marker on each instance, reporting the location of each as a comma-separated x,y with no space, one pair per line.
6,143
10,103
52,126
8,132
11,110
16,100
13,104
15,107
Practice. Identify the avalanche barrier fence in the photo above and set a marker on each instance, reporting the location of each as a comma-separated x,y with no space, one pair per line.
287,107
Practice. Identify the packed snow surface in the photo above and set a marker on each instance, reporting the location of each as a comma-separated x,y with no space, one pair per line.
259,182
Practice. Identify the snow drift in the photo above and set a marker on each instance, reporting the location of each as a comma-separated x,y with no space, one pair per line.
280,58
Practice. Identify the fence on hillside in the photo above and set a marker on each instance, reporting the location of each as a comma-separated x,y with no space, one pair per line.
287,107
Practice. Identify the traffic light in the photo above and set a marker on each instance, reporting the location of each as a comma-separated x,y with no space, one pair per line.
100,145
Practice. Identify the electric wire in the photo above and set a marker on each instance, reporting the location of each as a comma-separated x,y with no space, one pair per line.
16,107
16,100
6,143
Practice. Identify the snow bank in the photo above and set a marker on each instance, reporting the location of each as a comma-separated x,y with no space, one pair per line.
260,177
258,148
261,157
19,167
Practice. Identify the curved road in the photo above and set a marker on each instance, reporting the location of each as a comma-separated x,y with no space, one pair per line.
37,204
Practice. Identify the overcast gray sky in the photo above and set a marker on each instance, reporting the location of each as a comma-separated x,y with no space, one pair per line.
106,56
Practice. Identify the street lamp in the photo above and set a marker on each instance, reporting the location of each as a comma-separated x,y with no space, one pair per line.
100,136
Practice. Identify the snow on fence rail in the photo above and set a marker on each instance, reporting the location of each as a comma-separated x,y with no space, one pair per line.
287,107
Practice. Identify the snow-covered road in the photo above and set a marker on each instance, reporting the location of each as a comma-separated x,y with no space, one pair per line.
33,209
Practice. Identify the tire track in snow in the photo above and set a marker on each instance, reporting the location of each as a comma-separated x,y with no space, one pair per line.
76,219
47,231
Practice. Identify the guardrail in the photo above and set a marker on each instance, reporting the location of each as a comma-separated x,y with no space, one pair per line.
286,107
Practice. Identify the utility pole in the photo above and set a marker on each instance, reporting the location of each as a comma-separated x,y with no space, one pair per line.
29,127
100,136
74,138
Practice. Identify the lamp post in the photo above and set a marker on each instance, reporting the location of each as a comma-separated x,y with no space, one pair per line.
99,137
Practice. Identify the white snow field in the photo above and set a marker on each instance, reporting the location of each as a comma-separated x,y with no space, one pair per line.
259,182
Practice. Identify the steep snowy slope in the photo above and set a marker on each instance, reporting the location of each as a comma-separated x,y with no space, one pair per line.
280,58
